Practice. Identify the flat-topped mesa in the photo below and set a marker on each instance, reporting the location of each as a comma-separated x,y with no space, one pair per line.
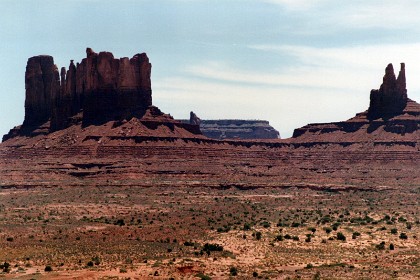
42,85
391,98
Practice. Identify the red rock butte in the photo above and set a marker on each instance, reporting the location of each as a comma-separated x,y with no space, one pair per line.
94,124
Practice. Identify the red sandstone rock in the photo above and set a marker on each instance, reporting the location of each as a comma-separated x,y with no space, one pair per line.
42,85
391,98
156,150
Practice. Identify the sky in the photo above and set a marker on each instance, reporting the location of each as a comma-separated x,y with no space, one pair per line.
291,62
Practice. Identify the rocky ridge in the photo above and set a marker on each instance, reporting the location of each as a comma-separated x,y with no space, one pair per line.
142,146
234,128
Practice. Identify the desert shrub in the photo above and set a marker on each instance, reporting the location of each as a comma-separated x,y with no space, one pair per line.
247,226
341,236
258,235
295,224
394,231
309,265
96,260
327,229
325,219
266,224
90,263
209,247
295,238
5,267
48,268
403,235
254,274
312,229
391,246
233,271
188,243
355,235
225,228
279,237
9,239
381,246
120,222
203,276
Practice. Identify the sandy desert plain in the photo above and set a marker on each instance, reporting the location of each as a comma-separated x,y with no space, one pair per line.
202,233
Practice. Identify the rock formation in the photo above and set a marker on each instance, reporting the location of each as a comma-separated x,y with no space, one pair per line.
156,150
113,88
234,129
391,98
42,85
194,119
391,114
102,87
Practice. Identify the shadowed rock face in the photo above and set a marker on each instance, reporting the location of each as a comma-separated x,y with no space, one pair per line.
113,88
42,86
103,87
391,98
95,91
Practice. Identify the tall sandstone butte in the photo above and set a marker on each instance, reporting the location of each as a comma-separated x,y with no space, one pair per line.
103,87
42,86
391,98
113,88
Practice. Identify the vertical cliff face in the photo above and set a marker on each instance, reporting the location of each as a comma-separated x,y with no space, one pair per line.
391,98
113,88
42,86
103,87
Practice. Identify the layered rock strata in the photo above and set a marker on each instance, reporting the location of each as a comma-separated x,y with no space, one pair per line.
155,150
234,129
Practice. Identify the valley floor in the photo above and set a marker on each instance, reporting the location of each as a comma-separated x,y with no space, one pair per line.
206,233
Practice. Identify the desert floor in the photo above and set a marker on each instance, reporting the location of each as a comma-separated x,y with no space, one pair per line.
203,233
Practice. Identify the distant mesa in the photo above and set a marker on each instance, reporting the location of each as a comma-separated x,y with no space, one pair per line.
391,113
234,128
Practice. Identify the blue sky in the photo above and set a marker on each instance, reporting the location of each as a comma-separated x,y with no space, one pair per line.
290,62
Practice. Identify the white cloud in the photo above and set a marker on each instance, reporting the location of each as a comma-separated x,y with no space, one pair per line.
323,16
359,64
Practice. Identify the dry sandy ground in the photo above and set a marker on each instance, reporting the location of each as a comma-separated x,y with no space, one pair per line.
160,233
